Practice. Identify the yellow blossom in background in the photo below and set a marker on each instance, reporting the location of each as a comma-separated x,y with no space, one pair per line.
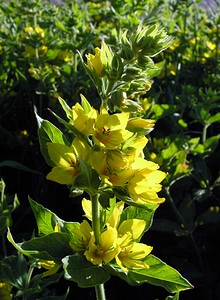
109,130
42,50
29,51
106,250
65,55
29,31
40,32
5,290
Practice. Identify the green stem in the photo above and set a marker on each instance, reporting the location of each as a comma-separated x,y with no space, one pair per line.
96,217
99,288
100,292
204,132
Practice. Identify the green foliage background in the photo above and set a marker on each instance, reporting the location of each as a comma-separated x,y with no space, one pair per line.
184,100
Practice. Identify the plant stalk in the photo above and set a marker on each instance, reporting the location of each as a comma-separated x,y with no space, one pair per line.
100,292
99,288
96,217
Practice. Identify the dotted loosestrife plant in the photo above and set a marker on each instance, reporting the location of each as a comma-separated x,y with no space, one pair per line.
100,154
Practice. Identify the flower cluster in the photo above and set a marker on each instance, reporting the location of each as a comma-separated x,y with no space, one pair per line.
118,241
111,145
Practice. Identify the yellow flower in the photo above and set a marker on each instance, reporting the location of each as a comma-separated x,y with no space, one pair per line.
115,216
98,62
140,125
42,50
5,290
83,120
39,31
109,130
144,186
94,62
106,250
29,30
134,226
50,266
132,254
67,165
87,208
67,160
81,237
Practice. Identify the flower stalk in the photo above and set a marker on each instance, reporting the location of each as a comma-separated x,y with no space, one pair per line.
99,289
96,217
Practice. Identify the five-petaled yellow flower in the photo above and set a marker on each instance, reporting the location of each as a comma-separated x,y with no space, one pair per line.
67,160
109,130
106,250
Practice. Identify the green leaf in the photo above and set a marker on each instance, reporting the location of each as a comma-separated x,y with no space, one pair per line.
47,220
53,246
85,104
162,110
66,108
49,133
159,274
61,26
211,143
78,269
213,119
14,269
88,179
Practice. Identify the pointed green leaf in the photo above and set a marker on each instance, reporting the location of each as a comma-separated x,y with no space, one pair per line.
49,133
53,246
78,269
47,220
159,274
213,119
85,104
66,108
14,270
